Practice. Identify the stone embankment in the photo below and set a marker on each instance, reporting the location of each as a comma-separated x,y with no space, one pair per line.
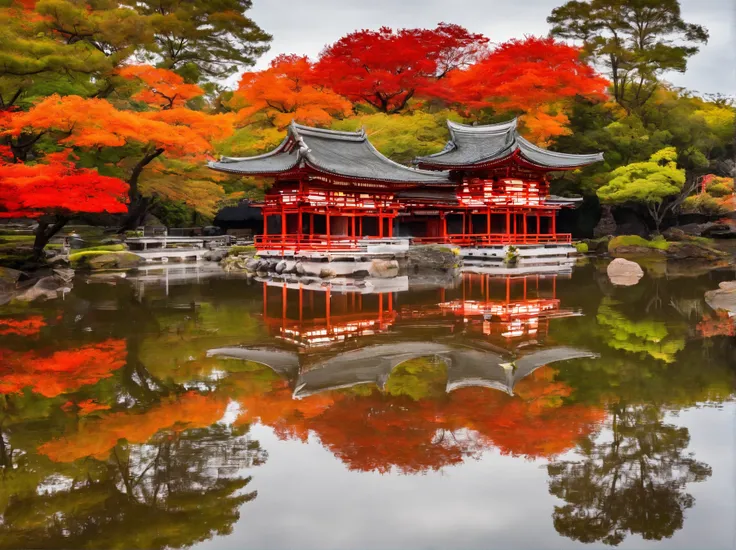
440,259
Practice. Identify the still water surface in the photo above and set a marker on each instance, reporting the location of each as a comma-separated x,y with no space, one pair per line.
213,412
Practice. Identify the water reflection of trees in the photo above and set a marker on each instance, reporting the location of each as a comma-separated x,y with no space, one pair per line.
123,446
633,484
173,491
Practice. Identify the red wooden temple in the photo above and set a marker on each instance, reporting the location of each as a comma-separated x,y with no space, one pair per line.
334,191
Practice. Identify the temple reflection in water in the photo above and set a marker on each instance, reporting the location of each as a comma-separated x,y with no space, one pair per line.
147,398
488,332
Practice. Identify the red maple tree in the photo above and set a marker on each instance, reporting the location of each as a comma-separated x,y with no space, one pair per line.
536,76
54,190
387,68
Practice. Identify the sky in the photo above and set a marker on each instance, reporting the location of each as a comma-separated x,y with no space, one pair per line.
305,27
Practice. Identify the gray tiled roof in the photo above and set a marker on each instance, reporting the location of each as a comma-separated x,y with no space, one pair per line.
347,154
476,145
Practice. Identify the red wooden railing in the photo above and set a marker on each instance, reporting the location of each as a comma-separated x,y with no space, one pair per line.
337,243
496,239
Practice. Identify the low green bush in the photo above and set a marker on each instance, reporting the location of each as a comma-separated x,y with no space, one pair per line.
104,247
658,243
582,248
237,250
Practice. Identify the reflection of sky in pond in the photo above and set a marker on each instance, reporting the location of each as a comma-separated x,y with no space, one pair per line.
217,412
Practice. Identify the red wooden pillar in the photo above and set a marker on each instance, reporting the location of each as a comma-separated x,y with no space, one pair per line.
352,226
283,304
554,223
390,228
283,223
443,217
539,223
360,225
311,225
299,224
327,223
523,222
327,306
488,222
380,225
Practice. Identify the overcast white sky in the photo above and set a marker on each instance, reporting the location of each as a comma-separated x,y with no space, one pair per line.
305,26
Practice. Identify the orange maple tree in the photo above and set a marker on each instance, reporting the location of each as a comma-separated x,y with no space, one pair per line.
95,123
288,90
160,87
62,371
97,437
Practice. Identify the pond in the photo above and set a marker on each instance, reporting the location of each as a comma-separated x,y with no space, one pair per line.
199,409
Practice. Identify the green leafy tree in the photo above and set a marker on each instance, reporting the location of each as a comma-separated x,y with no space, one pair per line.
633,484
657,183
35,62
636,40
201,38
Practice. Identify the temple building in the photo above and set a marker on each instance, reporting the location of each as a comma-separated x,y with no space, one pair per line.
334,191
331,189
502,188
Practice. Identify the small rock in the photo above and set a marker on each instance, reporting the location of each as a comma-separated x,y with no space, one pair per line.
215,255
299,268
280,267
251,264
361,274
327,273
624,272
58,260
384,269
674,234
65,275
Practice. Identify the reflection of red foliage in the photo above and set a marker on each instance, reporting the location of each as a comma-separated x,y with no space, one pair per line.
721,324
85,407
378,432
95,438
22,327
62,371
535,423
287,416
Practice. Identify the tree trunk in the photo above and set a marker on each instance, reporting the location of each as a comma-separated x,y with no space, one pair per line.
136,214
138,205
44,232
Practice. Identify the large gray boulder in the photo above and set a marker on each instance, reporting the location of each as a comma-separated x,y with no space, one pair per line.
624,272
724,298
